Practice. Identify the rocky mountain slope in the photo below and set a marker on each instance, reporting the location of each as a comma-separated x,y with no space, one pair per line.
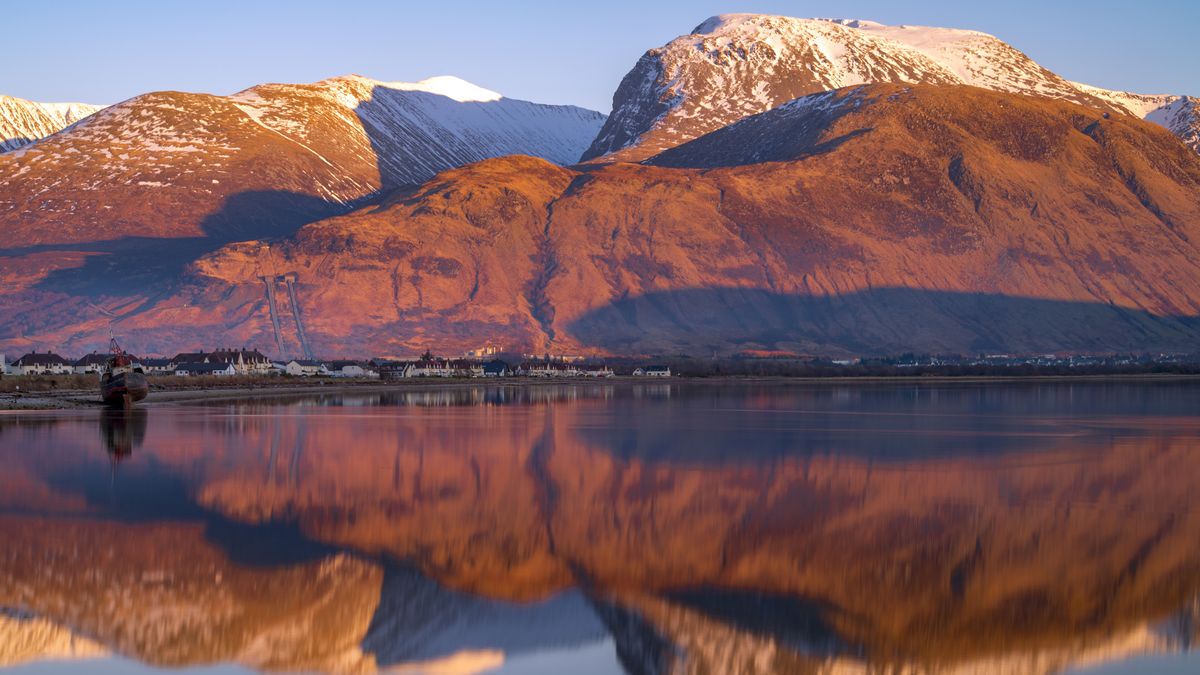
881,218
124,200
175,164
736,65
22,122
954,215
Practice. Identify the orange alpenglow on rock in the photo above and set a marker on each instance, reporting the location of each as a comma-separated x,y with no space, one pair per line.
977,202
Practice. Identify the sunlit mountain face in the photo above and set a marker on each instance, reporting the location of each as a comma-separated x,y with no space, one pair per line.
666,528
764,184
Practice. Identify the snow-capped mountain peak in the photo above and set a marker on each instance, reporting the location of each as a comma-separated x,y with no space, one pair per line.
22,122
735,65
451,87
170,159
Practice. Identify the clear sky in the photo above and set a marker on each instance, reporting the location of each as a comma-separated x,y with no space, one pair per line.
567,51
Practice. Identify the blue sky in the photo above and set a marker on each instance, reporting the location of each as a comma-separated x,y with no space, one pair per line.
552,52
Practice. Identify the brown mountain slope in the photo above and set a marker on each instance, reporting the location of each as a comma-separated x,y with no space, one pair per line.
174,164
876,219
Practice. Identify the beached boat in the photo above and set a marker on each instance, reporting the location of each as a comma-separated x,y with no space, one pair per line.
122,383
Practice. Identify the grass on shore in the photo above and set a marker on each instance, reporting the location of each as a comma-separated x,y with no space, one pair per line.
10,384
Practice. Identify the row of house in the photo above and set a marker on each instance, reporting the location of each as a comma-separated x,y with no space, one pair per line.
432,367
222,362
539,368
295,368
230,362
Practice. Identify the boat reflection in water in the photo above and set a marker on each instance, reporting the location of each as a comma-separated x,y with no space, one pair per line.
123,430
678,528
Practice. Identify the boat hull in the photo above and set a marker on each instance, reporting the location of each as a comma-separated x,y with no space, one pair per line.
124,389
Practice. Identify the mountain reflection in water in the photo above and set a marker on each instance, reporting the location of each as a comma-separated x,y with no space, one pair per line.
753,528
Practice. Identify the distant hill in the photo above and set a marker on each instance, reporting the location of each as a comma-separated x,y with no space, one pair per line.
23,122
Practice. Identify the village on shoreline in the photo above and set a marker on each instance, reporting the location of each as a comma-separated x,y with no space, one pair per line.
491,362
482,363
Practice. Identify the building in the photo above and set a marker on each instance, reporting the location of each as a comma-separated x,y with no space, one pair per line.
244,361
305,368
92,363
351,369
483,352
653,371
547,368
212,369
46,363
597,371
446,368
158,366
495,368
394,370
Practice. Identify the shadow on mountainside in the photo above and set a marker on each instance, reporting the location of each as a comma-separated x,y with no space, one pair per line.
14,142
879,321
417,134
151,265
408,153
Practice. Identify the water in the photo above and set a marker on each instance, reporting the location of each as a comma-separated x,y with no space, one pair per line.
593,528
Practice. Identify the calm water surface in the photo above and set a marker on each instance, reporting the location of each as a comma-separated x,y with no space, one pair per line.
592,528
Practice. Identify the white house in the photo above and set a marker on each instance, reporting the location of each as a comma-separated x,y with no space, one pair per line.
244,361
653,371
47,363
214,369
597,371
547,368
351,369
396,370
92,363
157,366
305,368
445,368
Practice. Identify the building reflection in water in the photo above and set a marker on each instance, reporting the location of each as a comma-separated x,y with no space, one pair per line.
697,527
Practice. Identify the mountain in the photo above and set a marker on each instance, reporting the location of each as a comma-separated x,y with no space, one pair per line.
127,198
1179,114
873,219
22,122
736,65
175,164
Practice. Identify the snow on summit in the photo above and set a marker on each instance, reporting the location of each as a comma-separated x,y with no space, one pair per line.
23,122
735,65
451,87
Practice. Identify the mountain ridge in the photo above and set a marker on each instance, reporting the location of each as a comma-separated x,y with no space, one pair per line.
734,65
22,122
1039,226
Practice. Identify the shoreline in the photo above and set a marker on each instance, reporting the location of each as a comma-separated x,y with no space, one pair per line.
79,399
